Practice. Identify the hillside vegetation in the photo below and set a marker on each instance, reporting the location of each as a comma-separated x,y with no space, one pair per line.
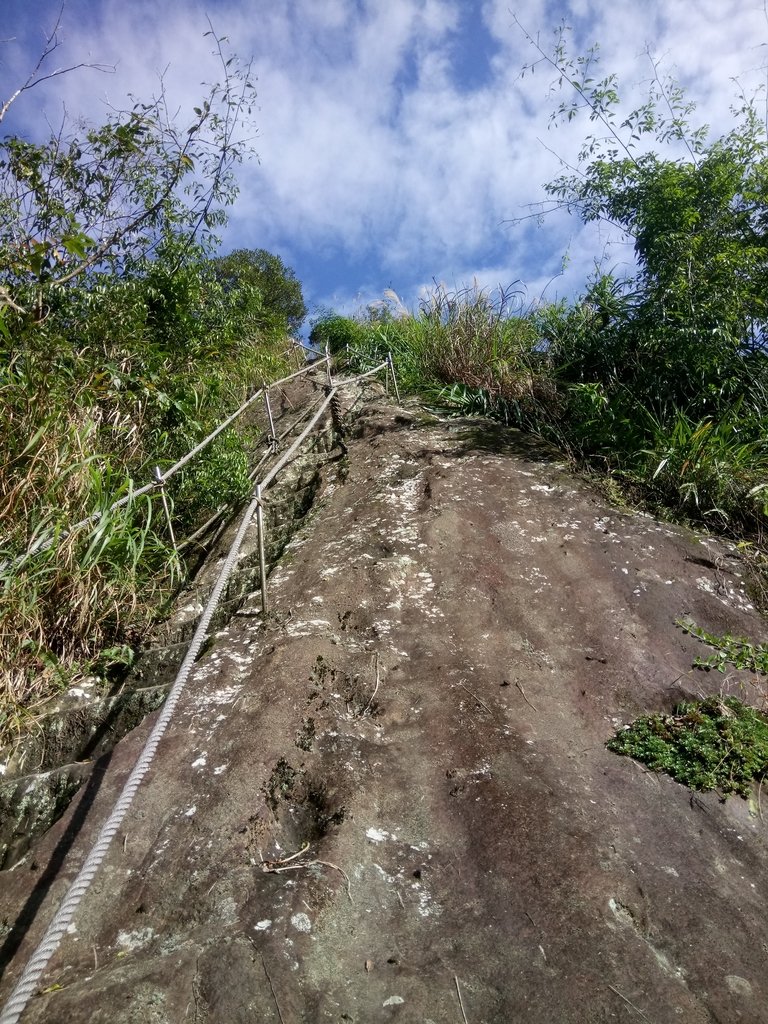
659,378
123,341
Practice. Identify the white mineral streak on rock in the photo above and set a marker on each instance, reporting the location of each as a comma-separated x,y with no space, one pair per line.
307,627
226,695
242,660
301,923
135,939
740,986
191,609
377,835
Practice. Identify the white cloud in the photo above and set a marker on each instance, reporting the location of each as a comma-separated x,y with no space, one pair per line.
371,149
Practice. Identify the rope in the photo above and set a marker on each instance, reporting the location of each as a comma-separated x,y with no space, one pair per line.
28,982
43,544
30,977
252,476
323,406
282,461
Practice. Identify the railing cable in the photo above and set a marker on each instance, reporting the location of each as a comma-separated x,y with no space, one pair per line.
30,977
43,543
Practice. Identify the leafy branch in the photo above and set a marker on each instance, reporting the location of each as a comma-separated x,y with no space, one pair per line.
606,161
739,652
600,97
105,196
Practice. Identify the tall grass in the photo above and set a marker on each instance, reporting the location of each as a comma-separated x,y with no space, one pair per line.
467,349
709,467
558,371
78,607
82,427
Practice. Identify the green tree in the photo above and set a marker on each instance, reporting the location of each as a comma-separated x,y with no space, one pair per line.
119,349
340,333
689,329
265,277
102,198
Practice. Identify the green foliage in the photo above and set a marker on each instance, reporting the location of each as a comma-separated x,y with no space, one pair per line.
713,467
103,197
219,476
469,342
120,348
73,608
262,284
688,331
659,377
465,400
128,374
665,372
718,743
342,335
736,651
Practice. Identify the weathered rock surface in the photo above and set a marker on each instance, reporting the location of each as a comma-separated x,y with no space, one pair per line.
456,631
42,771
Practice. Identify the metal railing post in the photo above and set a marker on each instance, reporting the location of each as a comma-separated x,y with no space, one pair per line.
391,365
262,558
272,439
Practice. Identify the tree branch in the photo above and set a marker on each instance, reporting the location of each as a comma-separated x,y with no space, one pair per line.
35,78
597,112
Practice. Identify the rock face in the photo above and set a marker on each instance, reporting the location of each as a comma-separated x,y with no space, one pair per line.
42,772
392,800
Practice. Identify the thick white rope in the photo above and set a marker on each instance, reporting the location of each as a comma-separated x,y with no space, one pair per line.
321,409
268,454
33,971
28,982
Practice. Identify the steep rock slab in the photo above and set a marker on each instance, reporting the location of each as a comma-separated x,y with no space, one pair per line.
455,634
40,773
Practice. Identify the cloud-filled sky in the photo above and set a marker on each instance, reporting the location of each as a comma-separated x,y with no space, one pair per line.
397,140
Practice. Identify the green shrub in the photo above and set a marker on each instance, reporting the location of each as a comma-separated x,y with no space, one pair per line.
718,743
714,467
118,353
470,348
342,336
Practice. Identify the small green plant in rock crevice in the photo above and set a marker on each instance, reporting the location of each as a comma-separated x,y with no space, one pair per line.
718,743
713,744
739,652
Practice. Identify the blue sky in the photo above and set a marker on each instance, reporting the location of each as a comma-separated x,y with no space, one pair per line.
397,140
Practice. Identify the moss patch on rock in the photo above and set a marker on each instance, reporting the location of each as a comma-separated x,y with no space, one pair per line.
713,744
